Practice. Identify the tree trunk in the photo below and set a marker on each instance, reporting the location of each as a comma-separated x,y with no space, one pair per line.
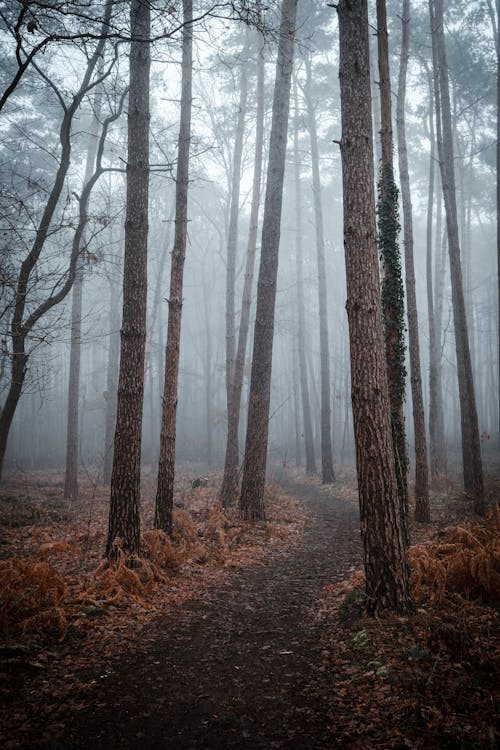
498,199
385,555
111,381
495,25
232,243
441,244
327,473
296,406
422,512
72,441
231,463
471,448
166,466
20,327
436,420
392,283
124,519
254,467
301,315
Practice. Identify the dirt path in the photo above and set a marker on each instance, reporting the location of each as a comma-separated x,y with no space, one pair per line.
240,669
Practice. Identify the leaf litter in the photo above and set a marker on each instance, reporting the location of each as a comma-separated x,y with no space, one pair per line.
425,681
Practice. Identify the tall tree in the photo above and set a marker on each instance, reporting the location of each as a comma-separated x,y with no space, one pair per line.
232,238
254,468
494,12
301,314
433,286
422,513
112,365
72,441
25,315
166,466
471,447
385,555
327,474
124,518
231,463
392,282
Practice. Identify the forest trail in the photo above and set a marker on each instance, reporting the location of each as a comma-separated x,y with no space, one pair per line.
238,668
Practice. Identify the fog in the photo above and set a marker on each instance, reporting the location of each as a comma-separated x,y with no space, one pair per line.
30,155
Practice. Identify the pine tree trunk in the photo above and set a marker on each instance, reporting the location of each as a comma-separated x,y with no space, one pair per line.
111,381
441,244
495,24
385,556
296,406
327,473
422,512
471,448
392,284
436,422
254,468
498,198
72,441
166,466
232,245
124,519
72,424
231,463
301,315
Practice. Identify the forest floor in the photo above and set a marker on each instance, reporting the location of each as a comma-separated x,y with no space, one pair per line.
240,636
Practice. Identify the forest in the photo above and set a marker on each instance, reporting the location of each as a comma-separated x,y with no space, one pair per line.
249,374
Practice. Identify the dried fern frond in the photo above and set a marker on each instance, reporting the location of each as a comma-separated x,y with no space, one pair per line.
28,589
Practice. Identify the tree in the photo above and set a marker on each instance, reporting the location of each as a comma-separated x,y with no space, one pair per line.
471,448
434,304
494,13
124,519
232,239
301,315
327,473
231,463
392,280
422,513
166,467
24,318
385,554
72,442
251,504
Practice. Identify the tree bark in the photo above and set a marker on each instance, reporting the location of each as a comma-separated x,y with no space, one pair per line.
111,380
166,466
385,555
124,519
21,327
471,448
422,512
327,473
72,441
232,247
436,418
251,504
231,463
392,283
301,315
495,25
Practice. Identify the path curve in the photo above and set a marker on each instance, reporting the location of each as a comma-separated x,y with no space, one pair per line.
240,670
